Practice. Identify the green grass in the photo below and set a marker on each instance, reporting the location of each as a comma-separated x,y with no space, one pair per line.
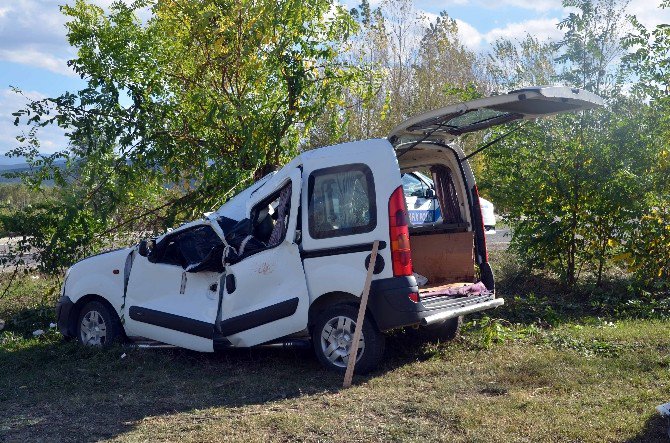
574,378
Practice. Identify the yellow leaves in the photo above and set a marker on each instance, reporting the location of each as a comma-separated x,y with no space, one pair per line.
623,257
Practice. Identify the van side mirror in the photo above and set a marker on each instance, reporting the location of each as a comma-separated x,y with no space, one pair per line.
430,193
145,247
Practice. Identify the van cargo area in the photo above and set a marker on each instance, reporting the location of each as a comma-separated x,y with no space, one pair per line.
443,251
446,260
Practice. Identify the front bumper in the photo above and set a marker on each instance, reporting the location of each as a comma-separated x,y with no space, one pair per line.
392,308
63,310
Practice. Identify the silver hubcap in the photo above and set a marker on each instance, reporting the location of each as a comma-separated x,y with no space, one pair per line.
93,329
336,338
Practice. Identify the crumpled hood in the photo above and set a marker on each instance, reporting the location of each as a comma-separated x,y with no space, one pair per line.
115,259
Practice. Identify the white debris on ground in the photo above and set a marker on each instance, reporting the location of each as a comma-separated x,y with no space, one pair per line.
664,410
38,332
2,325
123,355
52,325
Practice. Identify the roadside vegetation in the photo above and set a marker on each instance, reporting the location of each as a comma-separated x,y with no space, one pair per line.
186,112
548,366
182,110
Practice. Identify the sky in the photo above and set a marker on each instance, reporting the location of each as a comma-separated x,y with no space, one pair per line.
34,50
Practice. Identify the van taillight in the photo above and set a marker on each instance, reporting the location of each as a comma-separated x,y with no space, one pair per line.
401,254
481,218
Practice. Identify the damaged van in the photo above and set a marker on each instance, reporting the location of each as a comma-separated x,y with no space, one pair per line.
285,260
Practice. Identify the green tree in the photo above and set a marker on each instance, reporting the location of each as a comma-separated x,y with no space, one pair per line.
571,183
514,64
445,69
648,248
179,111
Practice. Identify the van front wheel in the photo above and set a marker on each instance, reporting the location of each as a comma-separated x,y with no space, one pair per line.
97,325
332,338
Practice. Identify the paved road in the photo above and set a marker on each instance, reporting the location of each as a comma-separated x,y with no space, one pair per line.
501,237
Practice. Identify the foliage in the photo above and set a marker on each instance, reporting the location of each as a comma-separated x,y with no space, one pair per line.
648,249
571,185
486,331
179,111
411,65
512,65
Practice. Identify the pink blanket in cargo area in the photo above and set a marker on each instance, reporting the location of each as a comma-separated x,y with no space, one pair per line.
462,291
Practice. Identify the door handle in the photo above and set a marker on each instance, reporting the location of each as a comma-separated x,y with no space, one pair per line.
230,283
213,287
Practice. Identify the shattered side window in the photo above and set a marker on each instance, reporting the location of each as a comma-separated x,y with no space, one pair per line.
341,201
196,244
188,249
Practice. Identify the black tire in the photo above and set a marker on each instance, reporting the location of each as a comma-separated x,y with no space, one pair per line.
374,341
96,313
446,331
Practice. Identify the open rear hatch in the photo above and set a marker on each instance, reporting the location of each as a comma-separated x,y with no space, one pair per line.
444,258
447,123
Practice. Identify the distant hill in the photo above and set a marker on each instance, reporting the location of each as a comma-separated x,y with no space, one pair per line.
14,166
11,161
18,167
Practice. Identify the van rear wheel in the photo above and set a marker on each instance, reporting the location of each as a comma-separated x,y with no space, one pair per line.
446,331
332,338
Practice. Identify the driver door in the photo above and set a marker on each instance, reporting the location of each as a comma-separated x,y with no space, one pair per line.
167,304
266,296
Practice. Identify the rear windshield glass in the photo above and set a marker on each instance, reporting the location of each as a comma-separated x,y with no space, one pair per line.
470,121
341,201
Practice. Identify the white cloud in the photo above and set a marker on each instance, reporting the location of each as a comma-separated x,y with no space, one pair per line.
34,57
648,12
469,35
428,17
534,5
51,137
32,32
543,29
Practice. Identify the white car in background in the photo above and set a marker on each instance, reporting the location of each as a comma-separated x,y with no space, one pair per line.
488,215
424,208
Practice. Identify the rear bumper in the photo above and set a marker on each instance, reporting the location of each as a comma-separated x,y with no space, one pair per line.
63,310
392,308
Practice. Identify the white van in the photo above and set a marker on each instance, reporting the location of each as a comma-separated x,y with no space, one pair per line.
286,259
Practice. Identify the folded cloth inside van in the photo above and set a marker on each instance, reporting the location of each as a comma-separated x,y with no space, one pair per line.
467,290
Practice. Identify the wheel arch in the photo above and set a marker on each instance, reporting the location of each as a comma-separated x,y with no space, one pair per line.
330,299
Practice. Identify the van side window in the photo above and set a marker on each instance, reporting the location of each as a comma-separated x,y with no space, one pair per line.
341,201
